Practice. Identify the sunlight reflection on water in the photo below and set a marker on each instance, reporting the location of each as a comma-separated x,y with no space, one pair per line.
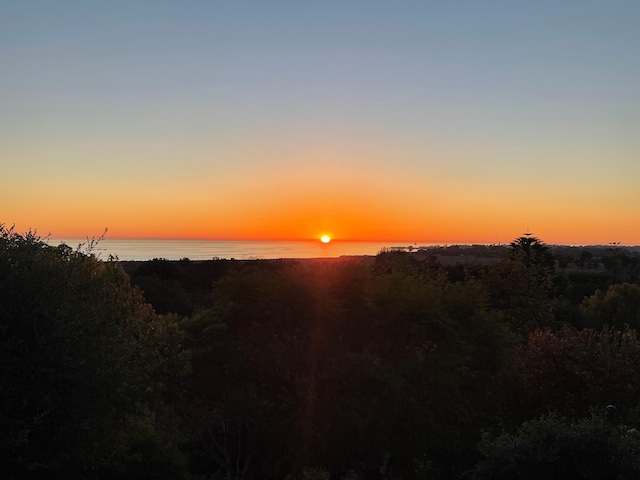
138,249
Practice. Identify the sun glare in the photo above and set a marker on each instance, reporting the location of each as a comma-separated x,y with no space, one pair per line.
325,239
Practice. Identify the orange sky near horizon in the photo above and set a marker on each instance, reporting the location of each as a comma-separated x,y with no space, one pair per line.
391,206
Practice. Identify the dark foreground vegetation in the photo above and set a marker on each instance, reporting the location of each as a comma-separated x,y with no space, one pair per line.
402,366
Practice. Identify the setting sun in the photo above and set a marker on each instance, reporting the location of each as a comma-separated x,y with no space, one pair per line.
325,239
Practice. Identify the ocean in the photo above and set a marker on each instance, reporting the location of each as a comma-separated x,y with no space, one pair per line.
139,249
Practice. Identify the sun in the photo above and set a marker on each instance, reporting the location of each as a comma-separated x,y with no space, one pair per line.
325,239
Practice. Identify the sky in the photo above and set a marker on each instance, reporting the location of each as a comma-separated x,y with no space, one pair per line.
417,121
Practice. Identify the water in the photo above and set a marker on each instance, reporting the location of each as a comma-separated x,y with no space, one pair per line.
138,249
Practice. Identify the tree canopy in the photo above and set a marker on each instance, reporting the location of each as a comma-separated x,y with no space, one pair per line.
393,367
84,365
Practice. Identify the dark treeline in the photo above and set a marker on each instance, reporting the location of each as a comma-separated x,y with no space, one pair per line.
518,361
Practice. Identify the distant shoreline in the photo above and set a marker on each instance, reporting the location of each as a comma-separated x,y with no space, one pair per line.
444,255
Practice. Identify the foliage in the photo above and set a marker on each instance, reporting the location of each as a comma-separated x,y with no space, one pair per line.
533,253
85,365
390,368
440,347
552,447
521,285
342,367
572,372
619,306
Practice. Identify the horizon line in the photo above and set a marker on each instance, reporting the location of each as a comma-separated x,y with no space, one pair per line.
336,240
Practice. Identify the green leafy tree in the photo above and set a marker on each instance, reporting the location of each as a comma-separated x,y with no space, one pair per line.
85,366
553,447
249,373
573,372
533,253
343,366
521,285
619,306
437,347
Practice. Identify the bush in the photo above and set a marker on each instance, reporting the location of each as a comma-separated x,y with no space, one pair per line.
84,362
553,448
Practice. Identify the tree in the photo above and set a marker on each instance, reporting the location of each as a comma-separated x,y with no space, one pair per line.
437,347
533,253
521,284
85,366
343,366
250,372
585,259
619,306
573,372
159,280
553,447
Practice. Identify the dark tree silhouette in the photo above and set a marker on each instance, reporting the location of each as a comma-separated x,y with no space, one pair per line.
522,284
85,367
